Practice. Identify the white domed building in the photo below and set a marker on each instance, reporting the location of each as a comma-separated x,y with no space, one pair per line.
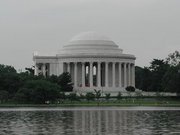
94,62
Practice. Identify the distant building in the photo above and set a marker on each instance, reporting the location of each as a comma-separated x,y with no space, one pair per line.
94,62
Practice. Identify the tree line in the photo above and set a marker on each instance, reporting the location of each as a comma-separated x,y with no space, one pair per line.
25,87
163,75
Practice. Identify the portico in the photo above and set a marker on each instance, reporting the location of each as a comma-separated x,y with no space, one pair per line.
96,76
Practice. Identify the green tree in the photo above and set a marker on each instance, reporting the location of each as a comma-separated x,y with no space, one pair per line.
7,69
150,78
171,79
40,91
3,96
30,70
119,96
62,97
23,95
9,80
53,79
158,69
173,59
64,81
143,78
139,77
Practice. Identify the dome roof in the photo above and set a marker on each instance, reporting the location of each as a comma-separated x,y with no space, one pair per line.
90,36
90,43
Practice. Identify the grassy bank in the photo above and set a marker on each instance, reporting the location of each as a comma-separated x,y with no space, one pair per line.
120,103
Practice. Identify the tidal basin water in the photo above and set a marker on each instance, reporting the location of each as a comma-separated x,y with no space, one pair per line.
90,121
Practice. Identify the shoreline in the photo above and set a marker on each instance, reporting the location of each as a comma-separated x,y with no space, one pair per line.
102,103
88,105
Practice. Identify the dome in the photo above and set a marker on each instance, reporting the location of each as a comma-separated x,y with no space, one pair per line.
90,43
90,36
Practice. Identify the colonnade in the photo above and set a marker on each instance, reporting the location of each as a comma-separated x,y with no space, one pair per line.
105,74
94,74
41,69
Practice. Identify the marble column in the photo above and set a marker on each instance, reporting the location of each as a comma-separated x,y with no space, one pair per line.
113,75
51,66
106,74
75,74
60,68
129,74
83,74
44,69
68,67
91,74
125,75
99,74
133,75
120,84
36,69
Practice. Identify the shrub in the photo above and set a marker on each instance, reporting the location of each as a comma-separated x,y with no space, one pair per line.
64,81
130,88
97,94
38,91
62,96
73,97
107,96
119,96
90,96
3,96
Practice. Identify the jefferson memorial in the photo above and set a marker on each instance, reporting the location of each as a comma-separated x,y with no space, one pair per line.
94,62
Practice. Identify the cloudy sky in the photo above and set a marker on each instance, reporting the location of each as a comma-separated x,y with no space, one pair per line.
146,28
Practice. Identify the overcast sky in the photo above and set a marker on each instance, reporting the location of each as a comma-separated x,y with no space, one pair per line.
146,28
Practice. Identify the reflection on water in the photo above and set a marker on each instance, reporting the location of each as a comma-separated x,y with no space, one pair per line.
90,122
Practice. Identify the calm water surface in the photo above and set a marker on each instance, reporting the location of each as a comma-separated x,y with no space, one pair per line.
90,121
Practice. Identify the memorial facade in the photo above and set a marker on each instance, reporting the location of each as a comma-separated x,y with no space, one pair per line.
93,61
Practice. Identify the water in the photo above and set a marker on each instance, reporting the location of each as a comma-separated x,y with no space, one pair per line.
90,121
